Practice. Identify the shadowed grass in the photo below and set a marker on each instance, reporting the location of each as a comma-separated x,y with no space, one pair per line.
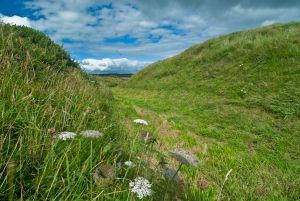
41,88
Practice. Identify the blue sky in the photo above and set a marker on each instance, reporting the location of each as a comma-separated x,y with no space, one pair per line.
124,36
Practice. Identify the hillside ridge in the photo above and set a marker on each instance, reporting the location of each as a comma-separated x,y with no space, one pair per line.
252,65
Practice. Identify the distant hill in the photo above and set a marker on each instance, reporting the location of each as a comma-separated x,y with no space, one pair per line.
114,75
261,66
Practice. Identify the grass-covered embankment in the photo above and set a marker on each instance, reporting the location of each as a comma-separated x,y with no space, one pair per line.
42,93
234,101
248,122
42,88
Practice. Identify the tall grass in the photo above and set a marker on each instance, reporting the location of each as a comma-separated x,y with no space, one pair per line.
41,91
41,88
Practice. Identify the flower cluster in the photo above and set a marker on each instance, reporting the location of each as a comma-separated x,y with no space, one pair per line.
141,187
129,164
141,121
66,135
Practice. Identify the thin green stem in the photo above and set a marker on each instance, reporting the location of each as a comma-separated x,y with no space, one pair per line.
177,171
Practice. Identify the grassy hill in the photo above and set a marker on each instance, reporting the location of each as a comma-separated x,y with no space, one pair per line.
43,93
232,101
261,66
42,88
235,102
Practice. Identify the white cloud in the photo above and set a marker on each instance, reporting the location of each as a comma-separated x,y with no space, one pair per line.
268,22
15,20
74,21
160,28
257,13
112,65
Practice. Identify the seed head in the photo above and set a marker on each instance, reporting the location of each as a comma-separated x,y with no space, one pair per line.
147,137
18,58
91,133
51,131
185,157
104,174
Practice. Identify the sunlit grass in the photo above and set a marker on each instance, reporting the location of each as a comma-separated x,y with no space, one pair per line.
44,93
234,101
248,122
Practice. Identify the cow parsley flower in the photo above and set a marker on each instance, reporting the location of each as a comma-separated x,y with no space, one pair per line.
66,135
129,164
91,134
141,187
140,121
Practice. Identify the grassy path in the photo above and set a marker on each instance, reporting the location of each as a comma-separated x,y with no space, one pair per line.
224,135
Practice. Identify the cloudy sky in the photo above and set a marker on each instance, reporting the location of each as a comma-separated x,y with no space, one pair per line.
123,36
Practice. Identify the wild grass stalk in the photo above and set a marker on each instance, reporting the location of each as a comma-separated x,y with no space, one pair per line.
223,184
11,179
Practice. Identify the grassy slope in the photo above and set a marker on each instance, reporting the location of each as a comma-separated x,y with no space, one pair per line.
264,62
234,101
41,88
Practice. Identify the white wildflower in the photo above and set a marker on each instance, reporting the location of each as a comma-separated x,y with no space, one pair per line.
66,135
140,121
129,164
141,187
91,133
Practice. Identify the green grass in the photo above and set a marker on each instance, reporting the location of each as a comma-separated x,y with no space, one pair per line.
233,101
248,122
259,66
42,88
111,80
